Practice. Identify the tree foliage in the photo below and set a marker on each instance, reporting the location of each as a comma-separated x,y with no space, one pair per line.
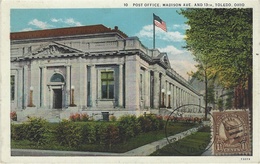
205,74
222,40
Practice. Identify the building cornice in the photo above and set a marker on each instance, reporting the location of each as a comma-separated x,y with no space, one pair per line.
64,38
181,81
65,32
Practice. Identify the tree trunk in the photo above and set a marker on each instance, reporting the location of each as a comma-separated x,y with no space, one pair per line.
206,95
250,84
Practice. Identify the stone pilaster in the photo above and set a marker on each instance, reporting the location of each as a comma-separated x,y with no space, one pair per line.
82,83
174,93
172,96
165,93
68,85
184,97
44,93
147,87
19,88
35,82
132,81
93,86
156,89
120,89
25,85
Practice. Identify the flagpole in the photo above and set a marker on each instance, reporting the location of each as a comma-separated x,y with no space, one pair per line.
153,33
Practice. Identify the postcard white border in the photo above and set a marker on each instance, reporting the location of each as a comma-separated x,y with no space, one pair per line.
5,7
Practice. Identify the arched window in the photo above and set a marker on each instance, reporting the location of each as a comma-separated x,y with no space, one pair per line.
57,78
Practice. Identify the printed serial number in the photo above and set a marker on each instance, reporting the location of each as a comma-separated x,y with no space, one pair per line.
245,159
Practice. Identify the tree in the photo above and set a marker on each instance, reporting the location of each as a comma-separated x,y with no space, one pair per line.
211,92
220,104
204,74
224,38
228,103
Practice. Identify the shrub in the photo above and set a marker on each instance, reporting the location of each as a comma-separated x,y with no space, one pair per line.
112,118
151,122
154,122
18,132
72,117
145,123
88,133
13,116
68,134
165,118
176,119
196,119
100,131
79,117
159,117
111,135
84,117
161,123
75,117
169,118
106,134
128,127
36,130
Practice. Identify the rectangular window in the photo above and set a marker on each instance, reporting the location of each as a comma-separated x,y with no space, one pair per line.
12,80
88,87
152,89
107,85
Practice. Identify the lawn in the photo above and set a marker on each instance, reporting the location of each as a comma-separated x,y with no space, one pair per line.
132,143
193,145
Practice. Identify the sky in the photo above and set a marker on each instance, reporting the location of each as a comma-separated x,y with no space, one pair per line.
131,21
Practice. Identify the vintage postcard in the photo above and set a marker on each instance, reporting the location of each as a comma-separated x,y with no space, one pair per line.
135,82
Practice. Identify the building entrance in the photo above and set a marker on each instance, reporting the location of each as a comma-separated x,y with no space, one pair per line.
57,98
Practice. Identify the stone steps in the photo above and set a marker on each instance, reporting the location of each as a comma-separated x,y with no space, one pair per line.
48,114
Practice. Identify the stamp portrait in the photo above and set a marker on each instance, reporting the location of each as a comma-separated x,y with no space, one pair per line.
232,132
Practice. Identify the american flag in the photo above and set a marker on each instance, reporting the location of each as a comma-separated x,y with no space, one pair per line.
159,22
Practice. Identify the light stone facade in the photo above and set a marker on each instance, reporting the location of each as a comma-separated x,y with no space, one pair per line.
97,71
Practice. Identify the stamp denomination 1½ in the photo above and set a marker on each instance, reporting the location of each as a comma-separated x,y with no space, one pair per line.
231,130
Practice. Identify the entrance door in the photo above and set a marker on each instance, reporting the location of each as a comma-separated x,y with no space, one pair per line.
57,98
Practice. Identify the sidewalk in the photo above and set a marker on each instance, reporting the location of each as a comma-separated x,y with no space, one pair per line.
33,152
141,151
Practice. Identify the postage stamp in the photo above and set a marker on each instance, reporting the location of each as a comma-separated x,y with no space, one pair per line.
232,133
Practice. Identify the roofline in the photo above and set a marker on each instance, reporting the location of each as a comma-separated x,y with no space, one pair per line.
67,31
63,37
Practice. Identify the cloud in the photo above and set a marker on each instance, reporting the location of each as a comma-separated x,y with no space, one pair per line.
182,67
171,50
44,25
68,21
147,33
27,29
56,20
39,24
181,60
71,21
175,53
180,26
